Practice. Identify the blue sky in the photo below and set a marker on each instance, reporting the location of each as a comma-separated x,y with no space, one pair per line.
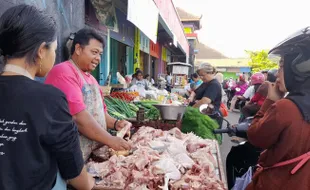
232,26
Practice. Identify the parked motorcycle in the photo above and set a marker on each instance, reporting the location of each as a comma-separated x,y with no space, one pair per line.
240,157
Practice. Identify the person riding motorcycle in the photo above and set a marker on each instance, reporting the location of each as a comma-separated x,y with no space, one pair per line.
259,97
282,125
256,80
240,88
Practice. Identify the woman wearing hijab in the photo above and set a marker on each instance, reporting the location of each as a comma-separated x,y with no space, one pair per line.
282,125
39,142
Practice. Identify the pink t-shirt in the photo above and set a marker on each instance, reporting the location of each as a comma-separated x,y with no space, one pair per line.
65,77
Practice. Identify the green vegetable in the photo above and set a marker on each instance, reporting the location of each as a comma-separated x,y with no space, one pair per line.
153,114
133,107
119,108
199,124
149,101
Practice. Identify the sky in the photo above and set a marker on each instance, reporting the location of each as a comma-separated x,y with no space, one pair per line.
233,26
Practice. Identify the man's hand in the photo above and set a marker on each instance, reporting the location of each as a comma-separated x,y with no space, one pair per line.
122,124
91,181
119,144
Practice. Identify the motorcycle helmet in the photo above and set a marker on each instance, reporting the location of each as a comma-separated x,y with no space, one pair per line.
241,77
271,77
295,54
265,71
257,78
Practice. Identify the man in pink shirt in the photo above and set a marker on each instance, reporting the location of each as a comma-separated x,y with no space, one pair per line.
84,97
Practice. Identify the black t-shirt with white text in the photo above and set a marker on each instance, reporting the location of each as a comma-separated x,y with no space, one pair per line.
37,135
211,90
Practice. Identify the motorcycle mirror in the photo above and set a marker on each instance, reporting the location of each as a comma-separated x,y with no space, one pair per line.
203,108
207,109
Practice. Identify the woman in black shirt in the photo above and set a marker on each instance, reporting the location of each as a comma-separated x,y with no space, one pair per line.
210,91
38,139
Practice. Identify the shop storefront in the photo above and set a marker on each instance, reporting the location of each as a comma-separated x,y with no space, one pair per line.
155,55
164,60
94,21
121,47
144,53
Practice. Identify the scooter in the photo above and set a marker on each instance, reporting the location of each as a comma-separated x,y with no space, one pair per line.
230,94
240,157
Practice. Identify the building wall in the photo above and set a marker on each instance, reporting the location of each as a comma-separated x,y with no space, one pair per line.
69,15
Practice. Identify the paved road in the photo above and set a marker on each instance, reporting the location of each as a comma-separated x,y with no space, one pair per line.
226,145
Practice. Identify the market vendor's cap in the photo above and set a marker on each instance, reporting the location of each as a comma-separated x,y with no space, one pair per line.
206,67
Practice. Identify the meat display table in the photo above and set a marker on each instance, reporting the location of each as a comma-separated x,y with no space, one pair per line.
167,125
219,169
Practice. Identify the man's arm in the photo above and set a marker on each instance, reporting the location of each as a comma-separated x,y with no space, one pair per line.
91,129
110,121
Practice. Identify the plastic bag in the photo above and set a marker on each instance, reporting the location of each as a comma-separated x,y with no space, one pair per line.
139,89
242,182
224,110
167,167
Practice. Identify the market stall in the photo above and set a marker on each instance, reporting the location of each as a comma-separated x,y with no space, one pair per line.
162,157
179,76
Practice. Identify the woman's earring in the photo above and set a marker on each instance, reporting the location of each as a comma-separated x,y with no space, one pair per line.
40,67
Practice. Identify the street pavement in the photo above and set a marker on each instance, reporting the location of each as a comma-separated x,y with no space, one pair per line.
233,118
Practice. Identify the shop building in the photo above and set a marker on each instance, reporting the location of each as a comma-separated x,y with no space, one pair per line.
130,42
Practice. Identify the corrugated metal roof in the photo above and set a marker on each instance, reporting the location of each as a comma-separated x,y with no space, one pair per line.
242,62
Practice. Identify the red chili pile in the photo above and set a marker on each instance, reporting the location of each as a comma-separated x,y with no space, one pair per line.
126,96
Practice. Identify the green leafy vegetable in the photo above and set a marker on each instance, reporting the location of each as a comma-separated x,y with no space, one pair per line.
199,124
153,113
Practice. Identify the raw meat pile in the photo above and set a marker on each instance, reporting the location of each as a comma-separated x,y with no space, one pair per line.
161,160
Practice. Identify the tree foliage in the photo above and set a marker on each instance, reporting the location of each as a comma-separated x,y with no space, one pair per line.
259,61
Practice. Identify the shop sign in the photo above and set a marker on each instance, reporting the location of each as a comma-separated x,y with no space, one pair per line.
175,40
170,16
144,14
126,30
137,49
154,49
144,43
187,30
164,54
245,69
180,70
168,55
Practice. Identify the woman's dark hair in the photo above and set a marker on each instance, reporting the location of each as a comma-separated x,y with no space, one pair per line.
23,29
83,37
147,75
194,76
138,72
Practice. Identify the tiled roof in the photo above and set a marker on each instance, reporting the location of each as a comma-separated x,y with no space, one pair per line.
205,52
185,16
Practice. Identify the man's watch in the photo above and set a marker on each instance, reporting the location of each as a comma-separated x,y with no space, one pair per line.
115,123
